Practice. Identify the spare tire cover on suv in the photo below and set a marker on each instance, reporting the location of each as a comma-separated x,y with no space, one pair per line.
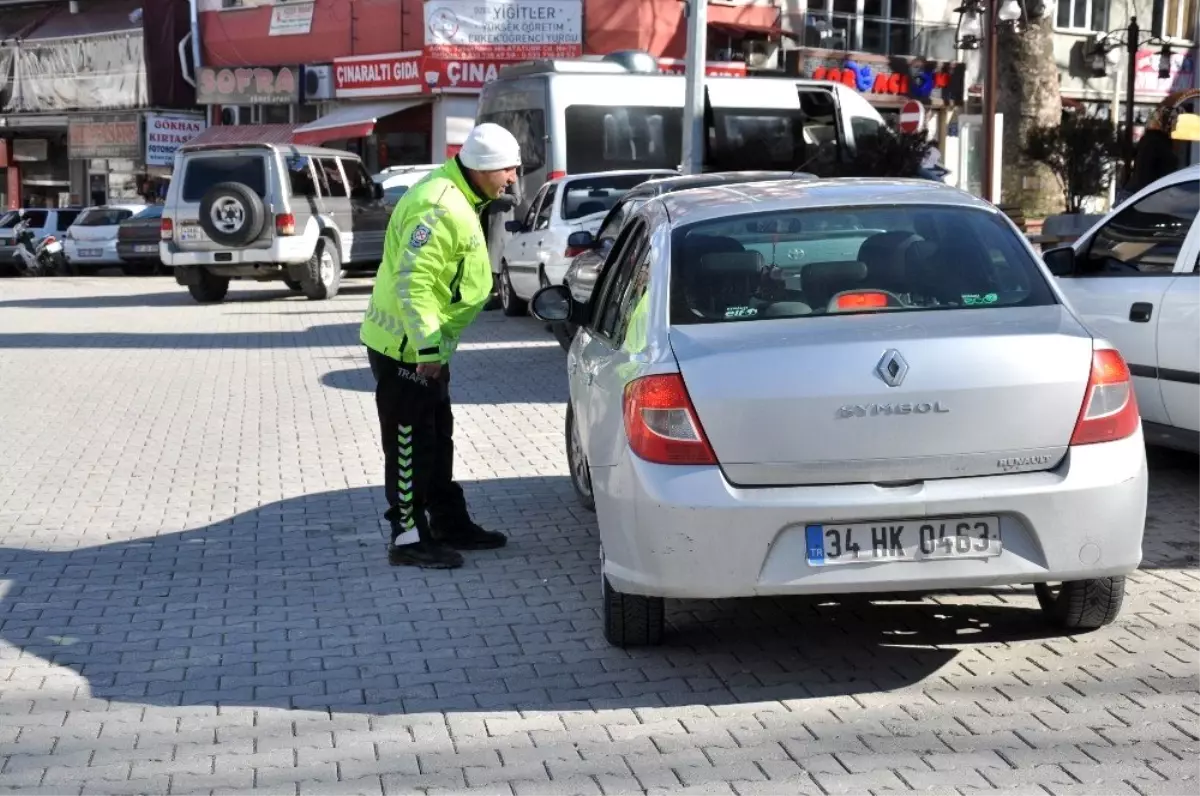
232,214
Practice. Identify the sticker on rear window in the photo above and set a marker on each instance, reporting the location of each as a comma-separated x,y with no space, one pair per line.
740,312
974,299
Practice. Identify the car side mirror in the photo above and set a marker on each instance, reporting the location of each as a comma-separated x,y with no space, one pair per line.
554,303
513,225
581,240
1060,261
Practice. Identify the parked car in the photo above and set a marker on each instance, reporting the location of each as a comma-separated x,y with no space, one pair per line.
137,241
592,249
396,180
1134,278
845,386
270,212
43,221
91,242
538,254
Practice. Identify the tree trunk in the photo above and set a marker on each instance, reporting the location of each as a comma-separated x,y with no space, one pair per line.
1027,77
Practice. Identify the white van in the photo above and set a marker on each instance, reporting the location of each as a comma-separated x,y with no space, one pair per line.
590,115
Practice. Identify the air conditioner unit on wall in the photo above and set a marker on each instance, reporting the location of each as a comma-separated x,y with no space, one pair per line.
318,82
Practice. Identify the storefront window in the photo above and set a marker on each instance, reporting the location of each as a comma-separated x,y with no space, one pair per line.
275,114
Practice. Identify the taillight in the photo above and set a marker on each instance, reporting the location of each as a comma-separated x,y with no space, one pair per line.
166,230
862,301
661,423
556,175
285,224
1109,406
575,251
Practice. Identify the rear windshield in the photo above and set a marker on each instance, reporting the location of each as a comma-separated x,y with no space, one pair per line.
205,172
597,194
831,261
103,217
152,211
35,218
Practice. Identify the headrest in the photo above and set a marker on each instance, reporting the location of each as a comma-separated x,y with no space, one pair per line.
731,263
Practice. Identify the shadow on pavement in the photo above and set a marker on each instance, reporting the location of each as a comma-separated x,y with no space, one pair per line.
178,296
293,605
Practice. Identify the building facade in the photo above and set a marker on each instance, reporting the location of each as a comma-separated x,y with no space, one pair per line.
89,101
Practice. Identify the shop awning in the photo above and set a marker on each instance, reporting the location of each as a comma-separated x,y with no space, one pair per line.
352,121
739,29
245,134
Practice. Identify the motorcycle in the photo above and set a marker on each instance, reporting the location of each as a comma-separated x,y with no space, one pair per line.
38,258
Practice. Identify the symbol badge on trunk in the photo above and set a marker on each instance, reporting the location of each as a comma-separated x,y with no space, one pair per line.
892,368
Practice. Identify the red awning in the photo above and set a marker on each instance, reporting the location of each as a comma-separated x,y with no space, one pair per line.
355,120
245,134
741,29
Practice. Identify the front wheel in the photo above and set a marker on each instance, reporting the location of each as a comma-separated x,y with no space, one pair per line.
1082,604
513,307
581,478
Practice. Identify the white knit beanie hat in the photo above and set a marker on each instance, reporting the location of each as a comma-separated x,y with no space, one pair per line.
490,147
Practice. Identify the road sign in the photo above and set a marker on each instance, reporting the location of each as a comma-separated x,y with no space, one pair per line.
912,116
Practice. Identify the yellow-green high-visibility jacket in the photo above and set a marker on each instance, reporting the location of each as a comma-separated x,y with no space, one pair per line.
435,276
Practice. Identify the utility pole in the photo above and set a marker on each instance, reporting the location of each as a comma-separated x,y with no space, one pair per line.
990,88
693,110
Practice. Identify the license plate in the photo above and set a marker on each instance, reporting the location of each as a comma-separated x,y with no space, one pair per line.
90,252
903,540
54,248
190,232
144,248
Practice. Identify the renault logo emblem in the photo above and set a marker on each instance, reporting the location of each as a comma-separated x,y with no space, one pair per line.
892,368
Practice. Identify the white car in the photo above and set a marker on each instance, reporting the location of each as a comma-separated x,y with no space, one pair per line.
845,386
396,180
1134,278
537,253
91,242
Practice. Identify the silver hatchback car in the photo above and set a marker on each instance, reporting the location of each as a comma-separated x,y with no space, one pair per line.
845,386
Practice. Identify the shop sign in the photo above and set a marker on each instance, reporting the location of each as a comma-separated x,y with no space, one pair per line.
379,75
101,137
248,85
1181,76
165,133
291,19
503,30
678,66
867,80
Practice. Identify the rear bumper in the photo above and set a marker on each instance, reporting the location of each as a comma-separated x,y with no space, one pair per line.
685,532
106,252
290,250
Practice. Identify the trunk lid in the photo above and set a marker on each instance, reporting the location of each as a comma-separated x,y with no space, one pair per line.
802,401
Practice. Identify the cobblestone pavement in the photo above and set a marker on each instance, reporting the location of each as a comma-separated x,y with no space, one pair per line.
194,598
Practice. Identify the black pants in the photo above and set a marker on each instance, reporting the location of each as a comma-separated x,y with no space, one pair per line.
417,430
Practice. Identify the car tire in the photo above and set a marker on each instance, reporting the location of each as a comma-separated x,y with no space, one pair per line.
632,620
209,289
322,276
240,208
581,478
1082,604
292,284
513,307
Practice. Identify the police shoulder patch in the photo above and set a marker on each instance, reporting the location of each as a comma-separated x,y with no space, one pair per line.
420,236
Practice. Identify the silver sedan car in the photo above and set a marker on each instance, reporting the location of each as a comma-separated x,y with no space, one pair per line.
845,386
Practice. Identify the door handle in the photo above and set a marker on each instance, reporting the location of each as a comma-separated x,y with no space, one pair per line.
1141,311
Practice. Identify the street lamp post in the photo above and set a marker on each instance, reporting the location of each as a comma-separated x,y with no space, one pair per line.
693,111
1111,42
978,22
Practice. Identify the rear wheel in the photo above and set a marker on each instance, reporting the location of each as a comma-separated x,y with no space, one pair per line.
1082,604
209,289
632,620
512,306
322,275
